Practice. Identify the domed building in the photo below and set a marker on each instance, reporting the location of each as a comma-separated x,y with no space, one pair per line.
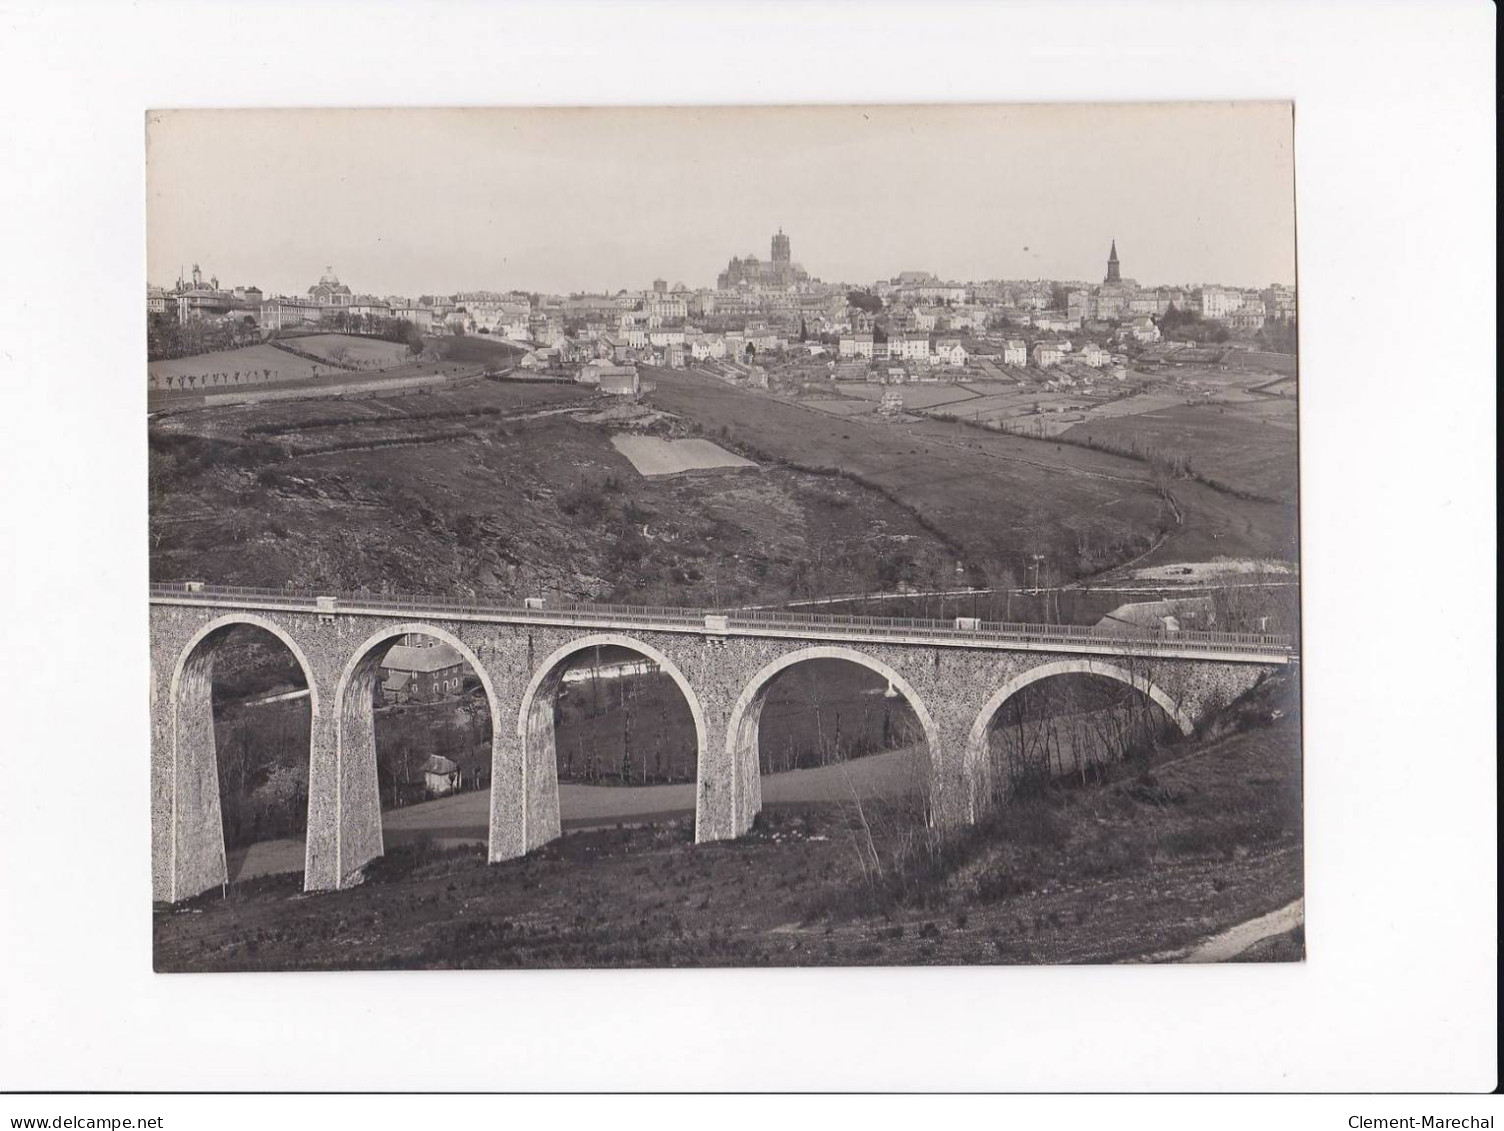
329,291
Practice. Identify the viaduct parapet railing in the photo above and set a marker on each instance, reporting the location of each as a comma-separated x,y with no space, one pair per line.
961,632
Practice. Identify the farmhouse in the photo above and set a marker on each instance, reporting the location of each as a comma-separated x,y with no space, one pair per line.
620,380
1015,353
421,672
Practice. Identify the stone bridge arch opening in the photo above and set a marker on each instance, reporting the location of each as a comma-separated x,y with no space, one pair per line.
823,723
1064,719
244,707
611,732
415,744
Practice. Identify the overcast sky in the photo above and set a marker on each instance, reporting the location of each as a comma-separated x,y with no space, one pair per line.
437,201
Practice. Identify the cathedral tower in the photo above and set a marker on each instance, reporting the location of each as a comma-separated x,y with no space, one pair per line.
1112,265
781,248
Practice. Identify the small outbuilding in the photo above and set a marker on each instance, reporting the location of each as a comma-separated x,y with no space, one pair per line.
440,775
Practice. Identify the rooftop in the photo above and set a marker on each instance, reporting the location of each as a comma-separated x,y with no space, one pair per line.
422,658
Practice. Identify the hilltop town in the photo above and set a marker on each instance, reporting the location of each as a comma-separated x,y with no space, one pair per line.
769,324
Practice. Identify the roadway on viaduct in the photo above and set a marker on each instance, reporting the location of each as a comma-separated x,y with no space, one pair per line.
954,675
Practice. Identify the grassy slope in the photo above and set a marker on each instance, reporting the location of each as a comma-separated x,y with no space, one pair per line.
484,489
1235,445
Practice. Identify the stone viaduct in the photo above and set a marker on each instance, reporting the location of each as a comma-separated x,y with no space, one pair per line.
954,675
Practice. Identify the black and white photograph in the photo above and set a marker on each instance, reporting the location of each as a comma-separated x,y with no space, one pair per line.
848,562
673,537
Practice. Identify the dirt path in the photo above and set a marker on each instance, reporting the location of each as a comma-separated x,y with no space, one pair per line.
464,818
1235,940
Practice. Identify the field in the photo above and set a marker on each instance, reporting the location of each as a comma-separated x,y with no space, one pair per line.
914,396
1245,448
355,351
993,498
264,372
653,455
1146,865
250,365
1235,426
840,406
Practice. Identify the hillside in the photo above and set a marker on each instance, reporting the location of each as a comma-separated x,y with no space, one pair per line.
1141,865
997,499
496,488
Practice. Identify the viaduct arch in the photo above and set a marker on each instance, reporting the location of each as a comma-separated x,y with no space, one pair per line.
535,732
976,741
358,837
197,859
746,716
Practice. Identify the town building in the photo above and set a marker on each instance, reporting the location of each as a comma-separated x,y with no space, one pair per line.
201,300
329,291
419,316
1142,330
1015,353
1217,303
1279,303
950,351
1249,315
281,313
1046,354
910,347
368,306
666,336
1057,323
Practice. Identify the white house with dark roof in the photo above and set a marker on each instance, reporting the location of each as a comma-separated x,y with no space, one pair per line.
440,775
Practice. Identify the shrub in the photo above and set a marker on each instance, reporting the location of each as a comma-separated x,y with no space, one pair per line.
584,501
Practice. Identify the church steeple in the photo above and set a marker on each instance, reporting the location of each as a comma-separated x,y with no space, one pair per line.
1112,265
